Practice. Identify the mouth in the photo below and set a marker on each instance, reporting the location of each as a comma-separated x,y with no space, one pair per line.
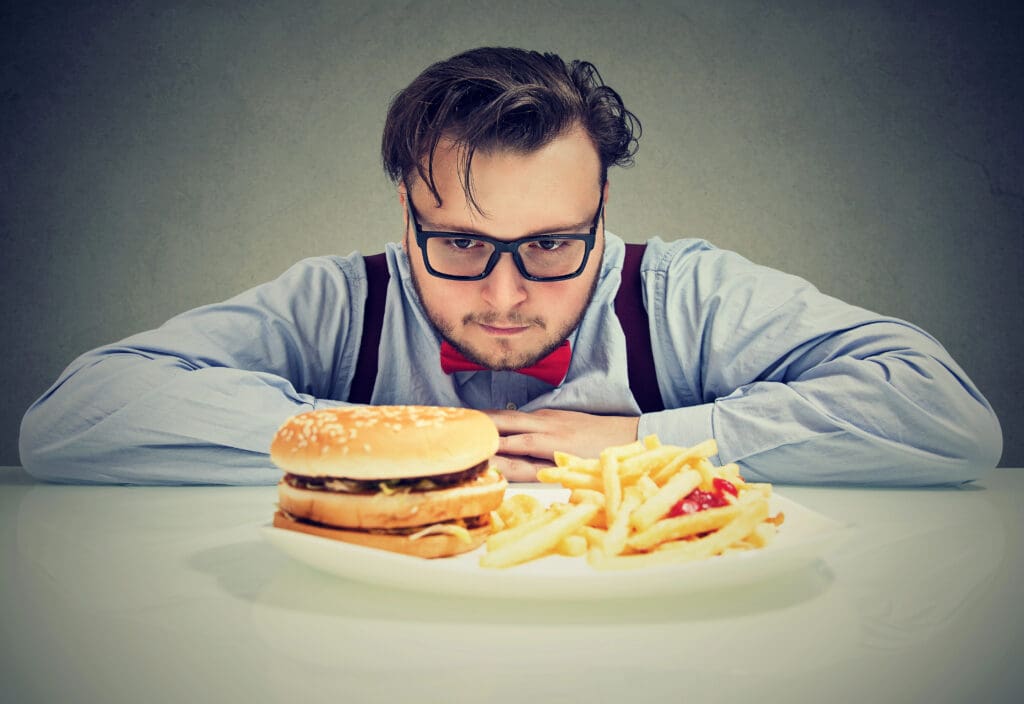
504,331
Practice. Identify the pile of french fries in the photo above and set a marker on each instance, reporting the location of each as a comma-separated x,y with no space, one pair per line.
626,510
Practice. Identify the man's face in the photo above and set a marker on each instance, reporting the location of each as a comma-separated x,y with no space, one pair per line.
506,321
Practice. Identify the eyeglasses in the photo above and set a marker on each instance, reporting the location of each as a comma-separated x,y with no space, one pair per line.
466,257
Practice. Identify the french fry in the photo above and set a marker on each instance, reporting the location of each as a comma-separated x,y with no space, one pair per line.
518,508
762,534
618,529
579,496
570,479
577,464
646,486
617,511
742,546
707,473
589,496
496,541
600,520
751,514
708,448
671,468
731,472
541,540
525,502
654,508
572,546
611,484
687,551
497,522
649,461
687,456
621,452
761,488
684,526
595,537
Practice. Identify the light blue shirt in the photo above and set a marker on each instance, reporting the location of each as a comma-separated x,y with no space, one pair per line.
794,385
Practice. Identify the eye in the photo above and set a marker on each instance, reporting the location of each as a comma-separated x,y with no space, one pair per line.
549,245
462,243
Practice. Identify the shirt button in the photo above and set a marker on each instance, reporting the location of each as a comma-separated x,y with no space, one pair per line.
510,406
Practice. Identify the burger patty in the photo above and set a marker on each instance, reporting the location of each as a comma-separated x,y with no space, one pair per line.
374,486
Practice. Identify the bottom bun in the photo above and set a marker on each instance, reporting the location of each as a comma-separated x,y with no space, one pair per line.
429,546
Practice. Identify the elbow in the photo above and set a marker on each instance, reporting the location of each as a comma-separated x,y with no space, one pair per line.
969,446
34,450
949,424
982,444
48,452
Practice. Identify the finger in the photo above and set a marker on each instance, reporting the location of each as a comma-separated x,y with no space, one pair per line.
509,422
537,445
517,469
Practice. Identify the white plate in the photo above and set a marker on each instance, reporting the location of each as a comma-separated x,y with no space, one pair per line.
802,539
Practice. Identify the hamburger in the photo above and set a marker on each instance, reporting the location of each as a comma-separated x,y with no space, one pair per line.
416,480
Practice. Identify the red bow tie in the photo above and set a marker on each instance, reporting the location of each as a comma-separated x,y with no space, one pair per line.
551,369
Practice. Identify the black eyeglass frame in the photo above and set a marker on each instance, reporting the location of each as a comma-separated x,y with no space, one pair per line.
501,246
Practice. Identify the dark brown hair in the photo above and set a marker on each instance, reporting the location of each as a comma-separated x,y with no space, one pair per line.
498,98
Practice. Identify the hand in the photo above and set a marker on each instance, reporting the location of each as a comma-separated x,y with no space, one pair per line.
529,440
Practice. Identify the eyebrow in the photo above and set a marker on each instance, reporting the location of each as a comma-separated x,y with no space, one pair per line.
571,229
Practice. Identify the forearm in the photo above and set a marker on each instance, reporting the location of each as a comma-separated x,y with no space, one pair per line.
198,399
125,418
898,418
797,386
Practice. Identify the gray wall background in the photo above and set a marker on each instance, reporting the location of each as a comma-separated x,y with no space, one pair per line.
158,156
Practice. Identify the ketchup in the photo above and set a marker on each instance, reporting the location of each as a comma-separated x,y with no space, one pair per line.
699,500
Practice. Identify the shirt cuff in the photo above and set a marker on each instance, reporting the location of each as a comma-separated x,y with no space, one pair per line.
680,426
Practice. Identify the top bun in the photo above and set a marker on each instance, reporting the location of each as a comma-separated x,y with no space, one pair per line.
384,442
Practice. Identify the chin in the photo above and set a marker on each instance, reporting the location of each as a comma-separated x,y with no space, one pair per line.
502,356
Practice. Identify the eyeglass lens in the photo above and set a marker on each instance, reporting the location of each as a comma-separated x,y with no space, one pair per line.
543,258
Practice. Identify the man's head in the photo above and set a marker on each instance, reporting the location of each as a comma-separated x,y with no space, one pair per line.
502,99
506,144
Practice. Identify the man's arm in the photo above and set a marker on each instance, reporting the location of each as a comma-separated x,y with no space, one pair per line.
198,399
797,386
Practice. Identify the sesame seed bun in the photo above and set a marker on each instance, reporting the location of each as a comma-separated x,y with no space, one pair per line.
383,442
409,479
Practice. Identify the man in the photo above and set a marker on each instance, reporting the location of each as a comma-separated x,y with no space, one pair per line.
500,158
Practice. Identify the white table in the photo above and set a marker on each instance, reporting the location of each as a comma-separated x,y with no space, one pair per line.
118,594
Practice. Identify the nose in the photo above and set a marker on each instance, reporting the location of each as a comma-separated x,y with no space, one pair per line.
504,287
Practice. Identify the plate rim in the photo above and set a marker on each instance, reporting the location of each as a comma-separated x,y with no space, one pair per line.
461,575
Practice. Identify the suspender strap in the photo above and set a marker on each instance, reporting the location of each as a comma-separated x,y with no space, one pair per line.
629,307
373,321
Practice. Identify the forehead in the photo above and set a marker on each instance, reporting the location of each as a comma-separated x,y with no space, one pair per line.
558,184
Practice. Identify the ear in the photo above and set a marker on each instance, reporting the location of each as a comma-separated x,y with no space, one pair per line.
604,200
402,196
